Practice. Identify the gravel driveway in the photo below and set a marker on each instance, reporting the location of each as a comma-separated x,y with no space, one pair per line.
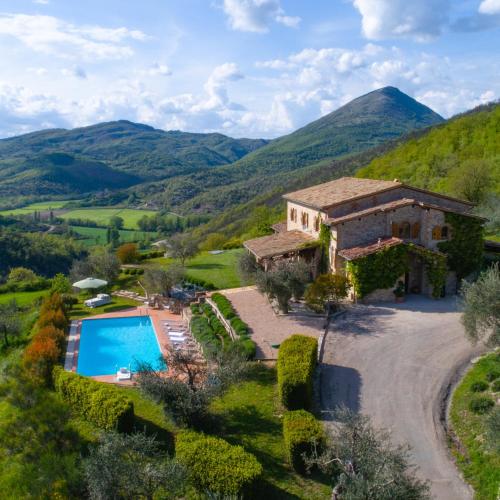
392,362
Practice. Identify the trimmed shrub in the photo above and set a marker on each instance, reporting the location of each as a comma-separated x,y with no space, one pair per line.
301,432
296,362
495,386
216,466
479,386
240,327
207,285
99,403
224,305
492,375
481,404
195,308
247,346
204,334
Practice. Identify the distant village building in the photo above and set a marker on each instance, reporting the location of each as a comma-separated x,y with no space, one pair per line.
363,216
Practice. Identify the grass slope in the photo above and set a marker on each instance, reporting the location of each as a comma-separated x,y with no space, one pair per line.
221,269
481,468
249,415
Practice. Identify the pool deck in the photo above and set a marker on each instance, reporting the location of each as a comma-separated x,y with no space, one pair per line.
157,316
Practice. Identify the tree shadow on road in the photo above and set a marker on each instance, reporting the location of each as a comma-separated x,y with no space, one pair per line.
340,386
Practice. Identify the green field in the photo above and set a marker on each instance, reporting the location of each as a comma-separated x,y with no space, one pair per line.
97,235
35,207
102,215
221,269
22,298
480,466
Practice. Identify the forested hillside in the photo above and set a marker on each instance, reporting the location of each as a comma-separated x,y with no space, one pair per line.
460,157
110,155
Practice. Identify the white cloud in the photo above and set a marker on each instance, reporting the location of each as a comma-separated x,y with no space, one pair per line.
56,37
158,69
42,2
76,71
490,7
257,15
422,20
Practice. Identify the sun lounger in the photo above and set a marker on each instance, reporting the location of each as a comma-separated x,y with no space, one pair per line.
123,374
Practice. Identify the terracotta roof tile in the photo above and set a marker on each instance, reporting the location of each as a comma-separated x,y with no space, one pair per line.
338,191
354,253
278,243
383,207
279,227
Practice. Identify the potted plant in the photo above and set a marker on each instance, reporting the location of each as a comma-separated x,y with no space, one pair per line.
399,292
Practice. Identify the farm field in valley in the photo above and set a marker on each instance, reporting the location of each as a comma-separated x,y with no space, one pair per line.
36,207
102,215
97,235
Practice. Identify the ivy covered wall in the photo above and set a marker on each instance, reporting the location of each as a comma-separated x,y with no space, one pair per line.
465,247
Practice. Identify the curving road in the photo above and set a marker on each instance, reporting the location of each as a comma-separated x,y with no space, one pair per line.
394,363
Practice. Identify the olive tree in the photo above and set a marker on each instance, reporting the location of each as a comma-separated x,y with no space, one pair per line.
286,280
125,466
10,321
481,307
183,247
161,280
326,291
186,396
362,462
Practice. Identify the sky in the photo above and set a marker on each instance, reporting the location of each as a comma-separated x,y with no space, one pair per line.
245,68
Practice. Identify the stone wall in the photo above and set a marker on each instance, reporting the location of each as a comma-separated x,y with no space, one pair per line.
392,195
297,225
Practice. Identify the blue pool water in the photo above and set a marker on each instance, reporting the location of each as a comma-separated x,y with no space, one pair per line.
108,344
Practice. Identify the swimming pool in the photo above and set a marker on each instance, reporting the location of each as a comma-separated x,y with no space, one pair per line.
111,343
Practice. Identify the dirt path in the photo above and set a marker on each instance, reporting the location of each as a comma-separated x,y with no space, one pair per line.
392,362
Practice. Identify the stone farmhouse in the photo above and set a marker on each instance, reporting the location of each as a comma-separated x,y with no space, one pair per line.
363,216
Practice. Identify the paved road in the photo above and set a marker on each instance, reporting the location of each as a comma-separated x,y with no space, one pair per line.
392,362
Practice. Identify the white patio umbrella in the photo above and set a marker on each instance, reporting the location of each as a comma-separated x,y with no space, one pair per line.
90,283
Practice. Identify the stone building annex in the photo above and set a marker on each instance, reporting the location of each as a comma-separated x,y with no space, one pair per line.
362,217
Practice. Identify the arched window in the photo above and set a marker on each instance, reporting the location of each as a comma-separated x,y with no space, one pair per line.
415,230
317,221
395,229
293,214
305,219
444,233
404,230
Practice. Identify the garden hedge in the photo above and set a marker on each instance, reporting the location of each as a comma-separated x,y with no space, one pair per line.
227,310
300,431
297,357
216,466
205,335
99,403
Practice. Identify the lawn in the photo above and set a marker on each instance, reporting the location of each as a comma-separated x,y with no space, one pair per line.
117,304
480,467
220,269
22,298
97,235
249,415
102,215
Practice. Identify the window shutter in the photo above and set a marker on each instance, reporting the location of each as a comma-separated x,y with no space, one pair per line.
436,233
415,230
395,229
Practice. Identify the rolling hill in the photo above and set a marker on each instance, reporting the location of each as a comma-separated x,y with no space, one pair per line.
199,172
361,124
115,155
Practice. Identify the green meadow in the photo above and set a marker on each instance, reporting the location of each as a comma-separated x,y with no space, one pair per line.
35,207
97,235
102,215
